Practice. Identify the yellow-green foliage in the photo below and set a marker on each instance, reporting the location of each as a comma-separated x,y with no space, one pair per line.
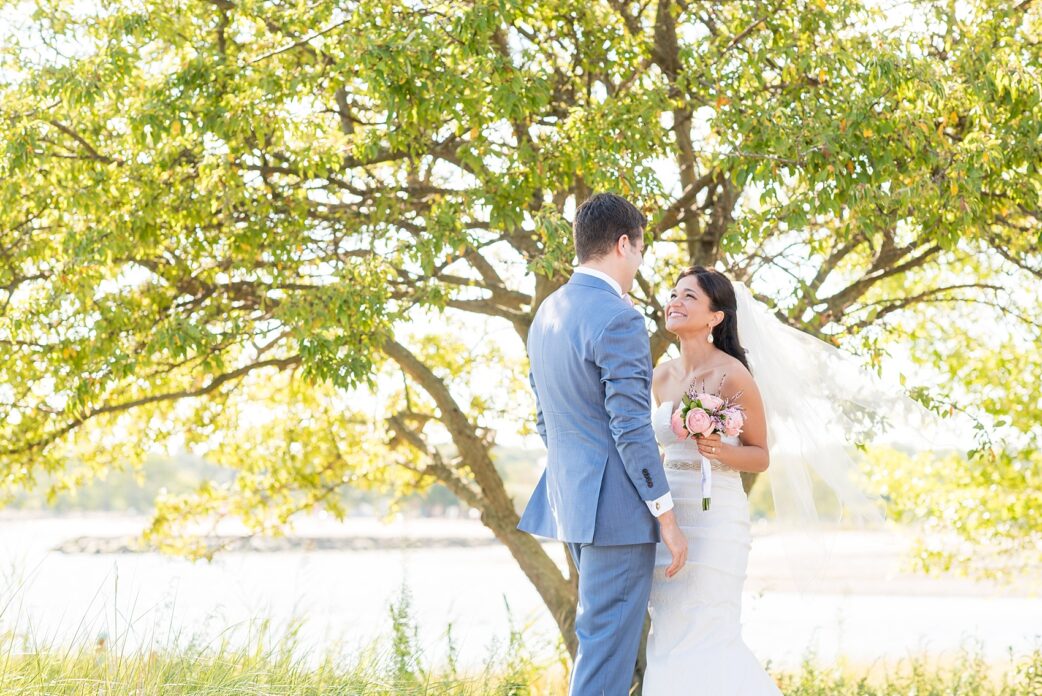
216,219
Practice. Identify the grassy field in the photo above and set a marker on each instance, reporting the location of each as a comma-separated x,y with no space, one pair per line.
271,671
395,664
274,670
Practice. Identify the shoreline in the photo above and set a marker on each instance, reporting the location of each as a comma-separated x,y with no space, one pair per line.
849,562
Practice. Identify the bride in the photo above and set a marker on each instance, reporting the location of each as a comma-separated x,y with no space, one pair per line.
695,645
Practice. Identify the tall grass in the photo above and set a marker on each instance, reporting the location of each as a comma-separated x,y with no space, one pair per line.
269,664
274,665
967,675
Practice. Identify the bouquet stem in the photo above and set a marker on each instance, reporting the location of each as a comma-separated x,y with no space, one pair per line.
705,503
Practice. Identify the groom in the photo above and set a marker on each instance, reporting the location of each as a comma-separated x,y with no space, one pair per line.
604,486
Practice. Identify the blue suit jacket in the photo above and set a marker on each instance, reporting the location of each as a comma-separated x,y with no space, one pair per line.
591,373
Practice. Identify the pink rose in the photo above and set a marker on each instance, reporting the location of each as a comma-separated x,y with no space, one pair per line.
710,402
699,422
676,424
733,422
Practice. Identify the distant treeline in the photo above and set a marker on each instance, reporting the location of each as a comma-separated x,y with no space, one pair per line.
134,490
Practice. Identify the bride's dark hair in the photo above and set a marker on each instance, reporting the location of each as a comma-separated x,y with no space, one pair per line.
721,299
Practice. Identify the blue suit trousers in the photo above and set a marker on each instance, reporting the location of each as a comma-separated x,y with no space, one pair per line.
614,586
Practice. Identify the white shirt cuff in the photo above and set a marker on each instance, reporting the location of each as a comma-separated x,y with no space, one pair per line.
661,506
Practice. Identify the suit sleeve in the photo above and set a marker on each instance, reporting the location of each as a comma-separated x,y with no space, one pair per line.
540,424
623,355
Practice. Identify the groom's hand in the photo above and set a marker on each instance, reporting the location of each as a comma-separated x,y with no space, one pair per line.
674,540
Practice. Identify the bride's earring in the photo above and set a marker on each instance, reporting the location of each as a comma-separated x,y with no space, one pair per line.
710,337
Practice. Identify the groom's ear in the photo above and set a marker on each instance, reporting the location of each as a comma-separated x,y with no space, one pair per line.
635,239
619,244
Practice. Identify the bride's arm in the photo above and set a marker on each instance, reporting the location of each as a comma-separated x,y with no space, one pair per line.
751,454
658,376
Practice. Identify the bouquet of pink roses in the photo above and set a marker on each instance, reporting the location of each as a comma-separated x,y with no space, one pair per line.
701,414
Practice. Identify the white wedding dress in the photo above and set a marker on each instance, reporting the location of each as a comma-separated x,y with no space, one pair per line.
695,646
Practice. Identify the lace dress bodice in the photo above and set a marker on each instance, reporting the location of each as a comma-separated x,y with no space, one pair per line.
681,454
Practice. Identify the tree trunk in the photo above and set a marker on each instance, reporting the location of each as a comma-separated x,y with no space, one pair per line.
556,591
490,496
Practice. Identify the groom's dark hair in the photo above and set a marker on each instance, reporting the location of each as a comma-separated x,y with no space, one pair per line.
601,220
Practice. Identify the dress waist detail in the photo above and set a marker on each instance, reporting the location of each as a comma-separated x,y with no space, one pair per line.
692,465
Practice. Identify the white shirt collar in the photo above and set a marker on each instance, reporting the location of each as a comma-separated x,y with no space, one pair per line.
603,276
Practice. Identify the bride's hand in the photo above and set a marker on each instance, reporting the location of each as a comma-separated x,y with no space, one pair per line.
710,446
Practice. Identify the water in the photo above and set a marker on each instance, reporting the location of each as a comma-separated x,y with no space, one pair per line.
868,611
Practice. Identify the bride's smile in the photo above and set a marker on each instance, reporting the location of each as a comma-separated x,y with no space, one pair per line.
688,312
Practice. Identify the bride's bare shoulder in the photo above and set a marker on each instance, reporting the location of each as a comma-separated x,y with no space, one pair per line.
666,367
737,368
736,377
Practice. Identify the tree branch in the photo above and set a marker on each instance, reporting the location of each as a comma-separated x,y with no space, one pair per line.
94,154
889,306
297,44
215,383
880,269
472,448
436,464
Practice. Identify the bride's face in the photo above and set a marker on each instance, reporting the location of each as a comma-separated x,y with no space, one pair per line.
688,310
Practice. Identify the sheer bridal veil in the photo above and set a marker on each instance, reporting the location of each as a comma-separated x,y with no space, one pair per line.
820,403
